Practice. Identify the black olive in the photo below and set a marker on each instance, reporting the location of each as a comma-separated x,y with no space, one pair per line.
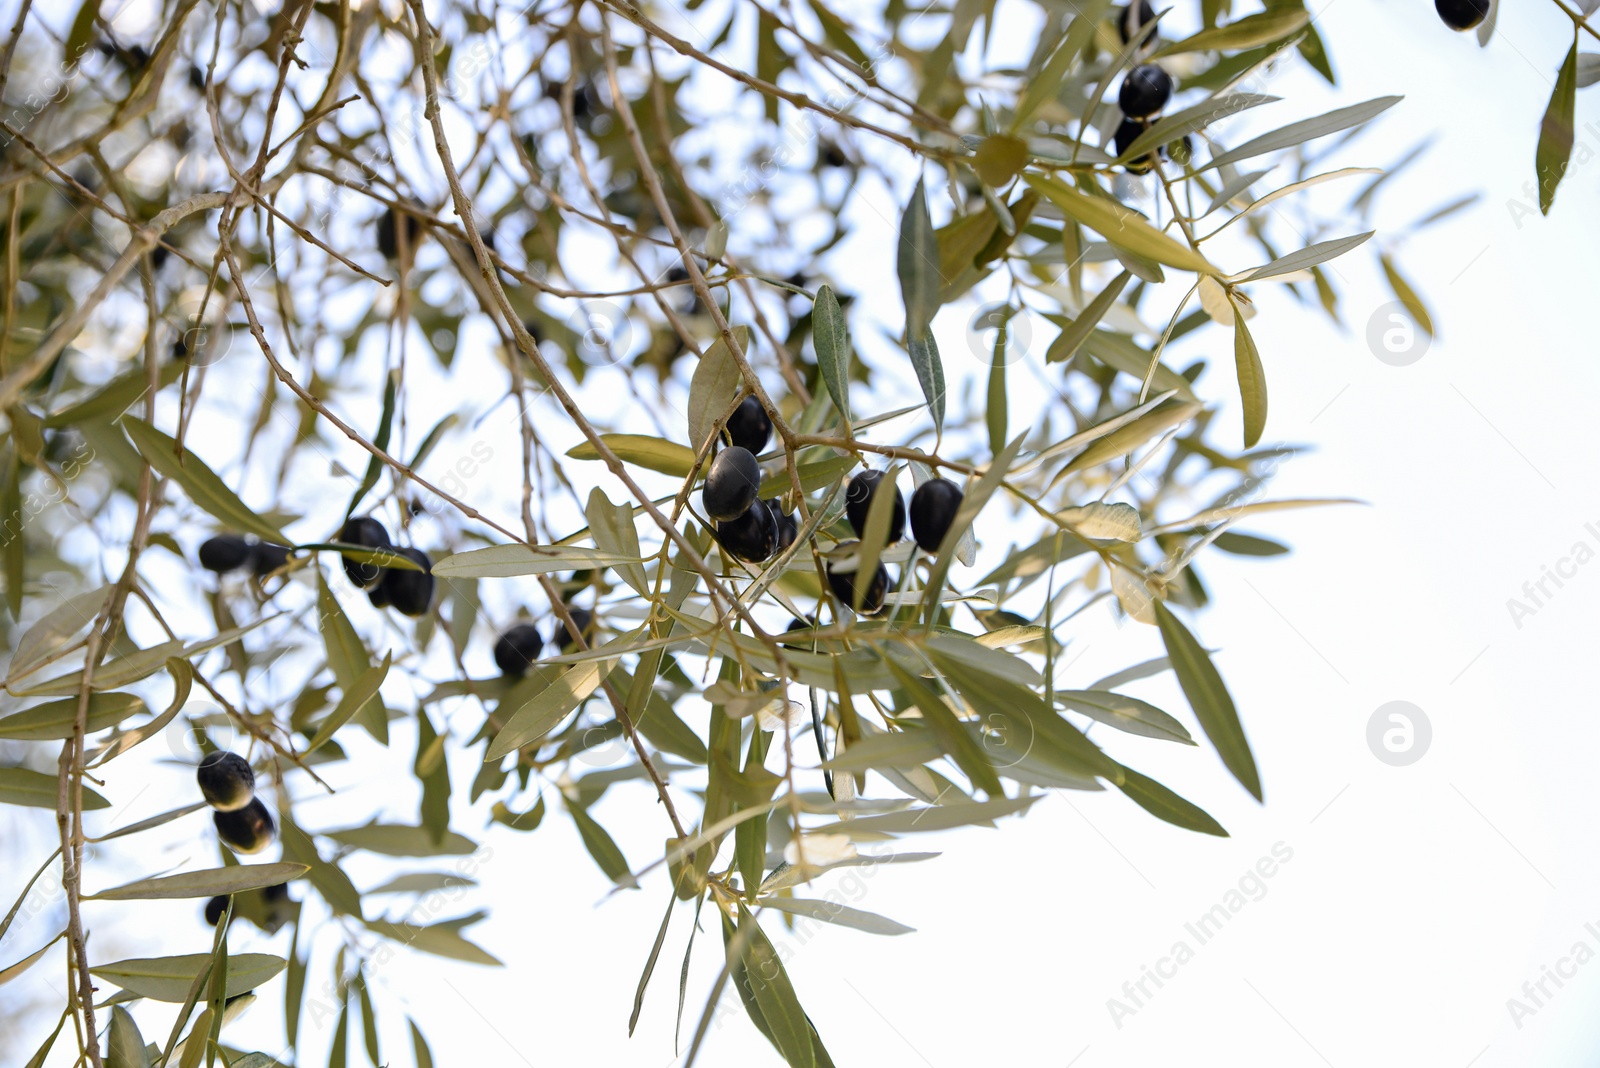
215,908
749,426
731,484
378,596
517,649
933,509
1131,18
388,238
831,155
1462,14
788,525
265,558
585,623
1145,91
224,553
842,582
369,534
409,592
1127,133
226,780
858,502
753,536
246,830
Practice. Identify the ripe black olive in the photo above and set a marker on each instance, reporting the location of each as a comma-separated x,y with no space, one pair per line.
518,648
585,622
858,502
388,236
224,553
1462,14
731,484
749,426
369,534
409,592
788,526
842,581
933,509
246,830
265,558
1132,17
1145,91
215,908
753,536
831,155
378,596
226,780
1127,133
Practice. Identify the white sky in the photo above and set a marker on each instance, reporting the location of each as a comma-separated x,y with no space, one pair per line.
1417,899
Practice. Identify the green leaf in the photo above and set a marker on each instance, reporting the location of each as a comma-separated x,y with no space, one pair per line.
600,846
32,789
391,389
654,454
1048,83
82,31
440,939
1248,544
235,879
613,531
717,381
348,659
1407,295
1125,713
10,972
1252,380
329,879
362,690
932,818
1305,130
762,974
198,481
1074,334
1193,119
831,336
1556,131
536,718
925,361
1209,698
55,631
1252,31
168,979
125,1046
402,840
1306,258
55,720
182,673
419,1046
996,411
1164,804
507,561
953,738
115,397
843,915
917,263
1121,226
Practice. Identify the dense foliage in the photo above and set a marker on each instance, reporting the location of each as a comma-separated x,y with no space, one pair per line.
526,381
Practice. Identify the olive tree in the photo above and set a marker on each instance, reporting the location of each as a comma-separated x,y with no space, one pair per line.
517,382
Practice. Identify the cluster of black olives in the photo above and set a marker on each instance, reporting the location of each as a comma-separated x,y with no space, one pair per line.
407,592
1462,14
746,527
933,509
229,786
229,552
516,650
1145,90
